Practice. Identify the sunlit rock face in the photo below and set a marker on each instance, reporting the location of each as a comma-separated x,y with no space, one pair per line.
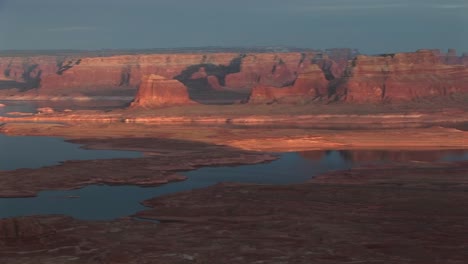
208,74
310,84
268,69
156,90
401,77
95,75
230,77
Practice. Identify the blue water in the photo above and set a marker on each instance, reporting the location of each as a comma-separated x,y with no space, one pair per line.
100,202
16,106
35,152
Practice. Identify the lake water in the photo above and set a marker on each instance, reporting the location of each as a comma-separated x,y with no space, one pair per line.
100,202
110,202
35,152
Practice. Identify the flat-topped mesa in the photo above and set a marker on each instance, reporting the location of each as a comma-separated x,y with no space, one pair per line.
401,76
157,91
114,74
119,75
310,84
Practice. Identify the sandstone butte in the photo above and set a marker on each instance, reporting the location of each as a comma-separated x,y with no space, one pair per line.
337,74
156,90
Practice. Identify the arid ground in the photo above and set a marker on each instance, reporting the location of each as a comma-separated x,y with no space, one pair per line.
411,212
195,109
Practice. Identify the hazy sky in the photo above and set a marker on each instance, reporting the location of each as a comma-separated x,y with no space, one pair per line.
372,26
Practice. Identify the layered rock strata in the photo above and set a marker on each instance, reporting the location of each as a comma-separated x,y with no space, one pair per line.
401,77
293,77
74,75
156,90
309,85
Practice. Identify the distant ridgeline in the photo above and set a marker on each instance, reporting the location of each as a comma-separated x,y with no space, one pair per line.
231,75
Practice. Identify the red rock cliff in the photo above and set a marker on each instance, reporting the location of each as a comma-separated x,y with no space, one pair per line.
402,76
69,75
288,77
156,90
310,84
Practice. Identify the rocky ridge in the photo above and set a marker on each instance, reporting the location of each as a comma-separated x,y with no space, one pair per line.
290,77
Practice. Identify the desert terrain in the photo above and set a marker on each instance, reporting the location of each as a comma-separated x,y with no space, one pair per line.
192,110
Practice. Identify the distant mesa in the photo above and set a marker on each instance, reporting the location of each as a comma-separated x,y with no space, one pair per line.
257,77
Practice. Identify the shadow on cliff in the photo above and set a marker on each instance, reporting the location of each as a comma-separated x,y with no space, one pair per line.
209,87
30,78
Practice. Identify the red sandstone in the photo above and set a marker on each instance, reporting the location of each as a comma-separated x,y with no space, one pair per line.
403,76
310,84
157,91
391,77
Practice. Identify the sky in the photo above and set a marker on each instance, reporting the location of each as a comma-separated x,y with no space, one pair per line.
372,26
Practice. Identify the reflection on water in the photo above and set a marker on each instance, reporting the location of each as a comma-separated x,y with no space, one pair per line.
386,156
110,202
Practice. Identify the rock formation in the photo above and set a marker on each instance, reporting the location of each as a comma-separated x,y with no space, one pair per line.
21,231
156,90
214,82
310,84
401,76
266,69
114,75
335,74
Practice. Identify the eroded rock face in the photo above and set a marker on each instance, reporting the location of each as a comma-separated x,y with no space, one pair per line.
267,69
22,230
231,77
24,73
156,90
121,74
310,84
214,82
402,76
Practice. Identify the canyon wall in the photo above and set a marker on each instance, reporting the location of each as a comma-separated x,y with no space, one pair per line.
75,75
310,84
401,77
230,77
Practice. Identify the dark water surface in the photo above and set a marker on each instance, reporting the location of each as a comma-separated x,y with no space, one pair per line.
16,106
35,152
100,202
